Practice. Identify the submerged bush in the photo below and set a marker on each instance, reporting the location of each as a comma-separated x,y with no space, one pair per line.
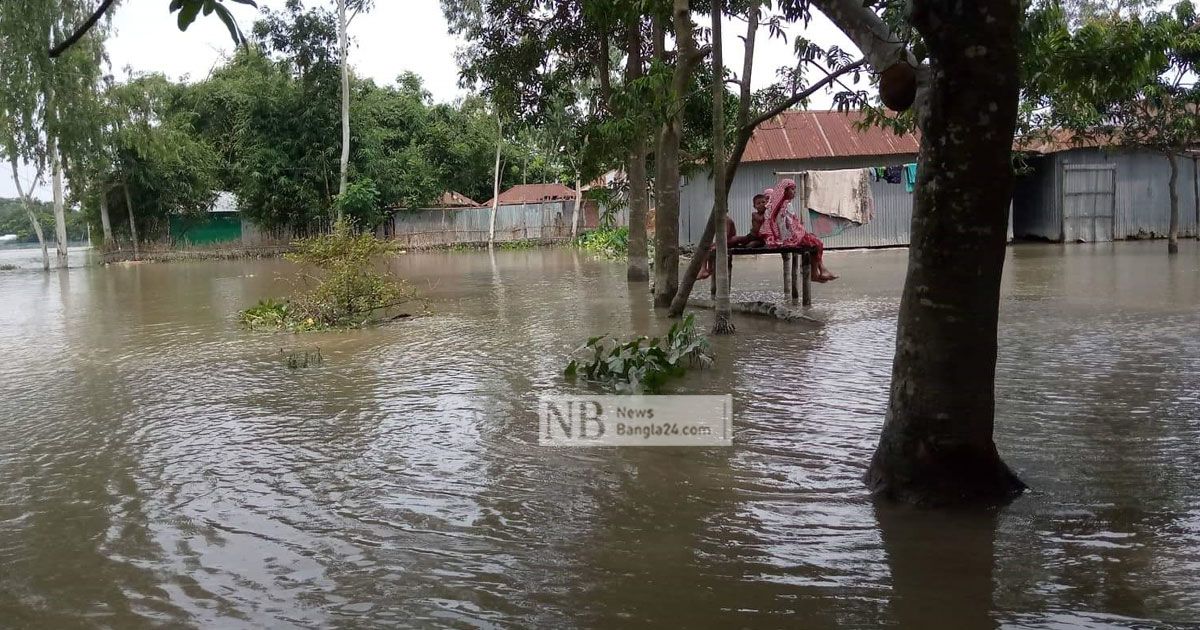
612,242
642,364
346,292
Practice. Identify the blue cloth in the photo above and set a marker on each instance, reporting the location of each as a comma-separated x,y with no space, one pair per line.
891,174
910,176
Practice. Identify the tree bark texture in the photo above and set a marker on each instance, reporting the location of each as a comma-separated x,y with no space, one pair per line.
496,181
639,267
105,221
132,221
578,205
723,324
666,159
344,44
33,220
60,213
1173,230
936,446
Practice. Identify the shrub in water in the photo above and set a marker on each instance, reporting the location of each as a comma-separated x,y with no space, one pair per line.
347,291
607,242
643,364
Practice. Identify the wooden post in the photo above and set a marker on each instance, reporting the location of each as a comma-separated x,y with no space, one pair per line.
786,282
796,263
806,284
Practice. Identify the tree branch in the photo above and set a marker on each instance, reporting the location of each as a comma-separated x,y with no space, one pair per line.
803,94
82,30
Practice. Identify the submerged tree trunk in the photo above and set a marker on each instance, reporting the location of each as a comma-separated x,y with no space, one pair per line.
133,235
936,446
60,215
496,181
724,315
639,265
1173,231
105,221
33,220
343,43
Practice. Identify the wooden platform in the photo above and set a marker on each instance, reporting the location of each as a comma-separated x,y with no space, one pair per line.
797,282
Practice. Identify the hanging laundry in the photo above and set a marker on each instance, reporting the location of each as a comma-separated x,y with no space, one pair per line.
910,176
892,174
843,199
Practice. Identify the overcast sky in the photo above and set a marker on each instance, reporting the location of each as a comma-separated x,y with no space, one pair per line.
397,36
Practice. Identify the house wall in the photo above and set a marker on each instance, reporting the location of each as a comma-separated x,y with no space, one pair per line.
430,227
1142,198
893,204
212,227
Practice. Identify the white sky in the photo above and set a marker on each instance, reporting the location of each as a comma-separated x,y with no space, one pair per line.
398,35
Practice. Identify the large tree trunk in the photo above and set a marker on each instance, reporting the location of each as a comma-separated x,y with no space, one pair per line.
133,235
1173,230
33,220
60,213
496,181
105,221
724,315
639,266
343,43
936,446
667,178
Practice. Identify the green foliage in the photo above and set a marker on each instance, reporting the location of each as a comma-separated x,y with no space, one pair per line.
641,364
608,242
13,220
360,204
519,245
348,291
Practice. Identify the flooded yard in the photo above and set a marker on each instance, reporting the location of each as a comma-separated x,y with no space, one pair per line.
161,467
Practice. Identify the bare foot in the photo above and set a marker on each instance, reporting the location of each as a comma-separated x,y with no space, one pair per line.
704,273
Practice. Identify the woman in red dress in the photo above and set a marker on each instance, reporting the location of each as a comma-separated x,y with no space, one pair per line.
792,233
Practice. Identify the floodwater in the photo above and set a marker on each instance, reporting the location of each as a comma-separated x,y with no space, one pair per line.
160,467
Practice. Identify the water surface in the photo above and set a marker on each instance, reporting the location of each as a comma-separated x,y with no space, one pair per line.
160,467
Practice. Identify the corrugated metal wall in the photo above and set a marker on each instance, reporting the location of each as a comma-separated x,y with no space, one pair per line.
893,206
1143,202
418,228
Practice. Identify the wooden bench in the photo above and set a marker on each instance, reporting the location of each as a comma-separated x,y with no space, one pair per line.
797,282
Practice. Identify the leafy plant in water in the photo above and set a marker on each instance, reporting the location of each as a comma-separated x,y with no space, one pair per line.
607,242
642,364
348,293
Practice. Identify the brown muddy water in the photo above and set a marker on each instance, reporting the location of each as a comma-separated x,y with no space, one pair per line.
160,467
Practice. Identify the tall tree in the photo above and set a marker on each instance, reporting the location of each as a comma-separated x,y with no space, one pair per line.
724,316
42,96
937,443
666,159
638,269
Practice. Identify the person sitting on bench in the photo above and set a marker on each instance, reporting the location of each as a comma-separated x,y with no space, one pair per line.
778,211
731,239
754,238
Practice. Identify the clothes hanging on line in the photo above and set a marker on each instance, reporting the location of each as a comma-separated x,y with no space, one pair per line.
891,174
843,193
910,176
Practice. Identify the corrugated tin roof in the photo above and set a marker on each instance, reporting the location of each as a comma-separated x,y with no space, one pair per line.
451,199
534,193
802,135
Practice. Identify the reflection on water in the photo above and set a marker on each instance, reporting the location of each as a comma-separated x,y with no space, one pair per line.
161,467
